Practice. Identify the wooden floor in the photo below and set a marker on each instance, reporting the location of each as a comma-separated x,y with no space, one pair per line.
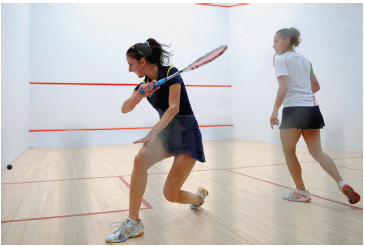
70,195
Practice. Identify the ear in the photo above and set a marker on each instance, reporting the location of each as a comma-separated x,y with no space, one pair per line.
143,61
287,41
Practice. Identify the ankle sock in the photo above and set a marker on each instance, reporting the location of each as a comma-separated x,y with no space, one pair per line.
132,221
341,183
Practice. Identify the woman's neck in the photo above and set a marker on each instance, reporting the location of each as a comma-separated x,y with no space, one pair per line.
289,49
152,72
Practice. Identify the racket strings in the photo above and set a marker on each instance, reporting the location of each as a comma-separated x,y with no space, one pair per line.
207,58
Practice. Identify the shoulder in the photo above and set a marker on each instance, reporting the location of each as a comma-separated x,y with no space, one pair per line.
169,70
280,59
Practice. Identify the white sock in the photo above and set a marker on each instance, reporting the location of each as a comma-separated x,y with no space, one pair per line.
341,183
132,221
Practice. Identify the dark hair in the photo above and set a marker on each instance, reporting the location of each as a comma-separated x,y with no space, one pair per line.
150,50
292,33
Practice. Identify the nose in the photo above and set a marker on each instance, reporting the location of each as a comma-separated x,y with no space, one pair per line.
130,69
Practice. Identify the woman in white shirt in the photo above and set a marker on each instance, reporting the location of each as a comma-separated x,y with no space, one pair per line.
301,115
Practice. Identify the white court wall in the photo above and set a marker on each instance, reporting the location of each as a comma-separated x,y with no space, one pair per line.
86,43
15,75
332,39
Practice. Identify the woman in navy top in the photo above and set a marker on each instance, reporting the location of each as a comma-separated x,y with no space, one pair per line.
175,134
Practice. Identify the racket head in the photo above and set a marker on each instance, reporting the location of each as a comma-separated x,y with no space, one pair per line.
207,58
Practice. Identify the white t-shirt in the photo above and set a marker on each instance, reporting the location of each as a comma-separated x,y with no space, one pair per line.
298,70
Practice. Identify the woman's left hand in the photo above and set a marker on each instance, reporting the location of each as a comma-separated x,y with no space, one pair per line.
148,139
274,119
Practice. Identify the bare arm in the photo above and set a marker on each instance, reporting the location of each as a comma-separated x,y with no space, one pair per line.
280,96
136,97
314,84
130,103
283,87
170,113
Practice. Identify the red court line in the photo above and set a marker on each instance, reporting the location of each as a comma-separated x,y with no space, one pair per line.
129,128
208,85
42,181
110,84
65,216
341,203
224,6
83,84
57,180
339,159
148,206
350,168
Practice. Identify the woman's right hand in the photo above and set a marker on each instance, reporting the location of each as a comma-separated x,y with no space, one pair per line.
274,119
148,88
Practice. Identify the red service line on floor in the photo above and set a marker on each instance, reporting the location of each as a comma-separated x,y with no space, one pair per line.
129,128
214,169
148,206
350,168
341,203
339,159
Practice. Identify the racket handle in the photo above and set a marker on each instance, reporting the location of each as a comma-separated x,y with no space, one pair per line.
159,83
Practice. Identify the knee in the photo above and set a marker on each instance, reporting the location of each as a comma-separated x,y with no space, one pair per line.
170,195
289,151
139,162
315,153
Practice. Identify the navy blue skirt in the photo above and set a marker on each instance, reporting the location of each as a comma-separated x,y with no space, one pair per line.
181,135
302,117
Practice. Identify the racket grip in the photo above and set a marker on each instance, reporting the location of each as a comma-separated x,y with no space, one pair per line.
159,83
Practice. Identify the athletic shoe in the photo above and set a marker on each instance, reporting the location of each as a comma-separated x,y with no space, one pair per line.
126,230
349,192
202,193
297,196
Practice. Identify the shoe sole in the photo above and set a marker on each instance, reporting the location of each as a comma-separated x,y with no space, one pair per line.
351,195
297,201
139,235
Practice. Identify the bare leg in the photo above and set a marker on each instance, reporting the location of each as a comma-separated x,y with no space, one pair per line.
180,170
313,139
289,139
146,157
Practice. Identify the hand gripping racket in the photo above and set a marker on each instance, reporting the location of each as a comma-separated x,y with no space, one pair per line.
198,63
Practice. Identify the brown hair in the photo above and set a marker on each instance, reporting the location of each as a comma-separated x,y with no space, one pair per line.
150,50
292,33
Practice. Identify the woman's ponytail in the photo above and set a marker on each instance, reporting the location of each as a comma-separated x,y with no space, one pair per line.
152,51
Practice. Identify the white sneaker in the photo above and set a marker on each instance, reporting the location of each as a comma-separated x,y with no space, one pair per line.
297,196
349,192
202,193
126,230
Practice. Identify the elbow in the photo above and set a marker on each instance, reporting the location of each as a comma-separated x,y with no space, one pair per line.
174,110
316,89
123,110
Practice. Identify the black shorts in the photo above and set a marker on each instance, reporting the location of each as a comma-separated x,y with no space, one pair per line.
302,117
